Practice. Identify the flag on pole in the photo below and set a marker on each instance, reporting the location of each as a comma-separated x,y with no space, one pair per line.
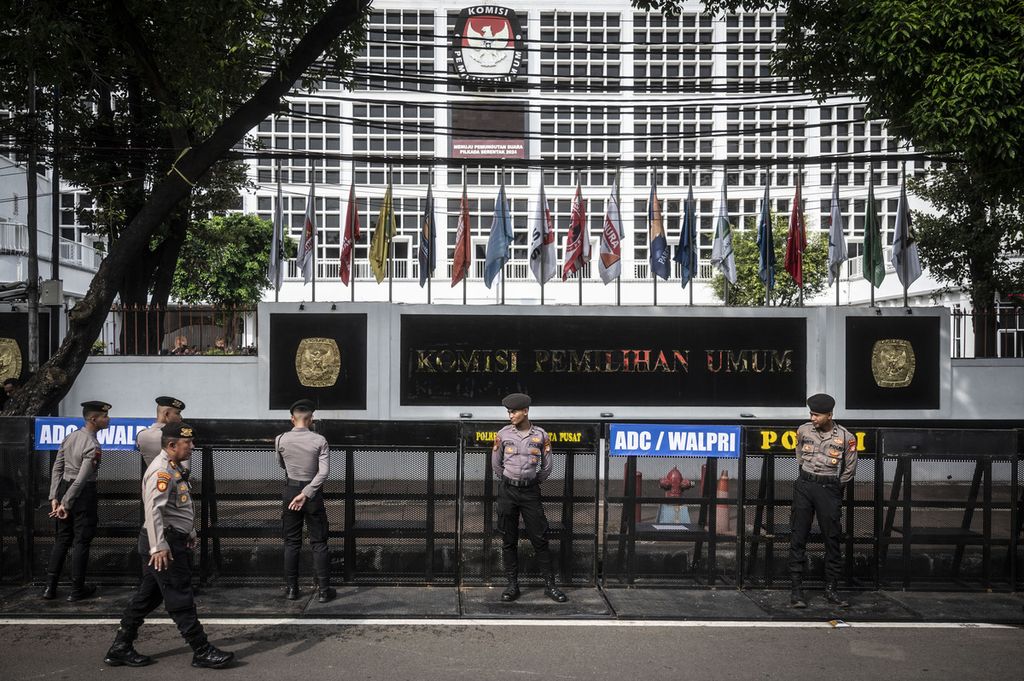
542,241
427,240
610,263
576,247
722,255
463,254
686,253
796,240
383,233
765,243
904,246
352,235
500,239
275,269
836,236
656,233
872,262
307,244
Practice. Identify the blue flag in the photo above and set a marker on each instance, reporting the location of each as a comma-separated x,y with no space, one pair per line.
428,239
656,234
686,254
766,244
500,240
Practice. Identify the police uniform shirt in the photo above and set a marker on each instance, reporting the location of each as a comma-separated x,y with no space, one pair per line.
148,442
166,501
520,455
823,453
77,460
306,456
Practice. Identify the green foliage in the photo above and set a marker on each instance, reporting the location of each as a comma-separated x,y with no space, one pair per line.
224,261
750,291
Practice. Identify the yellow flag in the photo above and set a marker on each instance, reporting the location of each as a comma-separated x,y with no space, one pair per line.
382,235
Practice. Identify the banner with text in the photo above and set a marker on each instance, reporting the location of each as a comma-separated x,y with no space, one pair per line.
120,434
653,439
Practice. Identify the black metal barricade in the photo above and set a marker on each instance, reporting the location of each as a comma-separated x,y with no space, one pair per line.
17,498
570,504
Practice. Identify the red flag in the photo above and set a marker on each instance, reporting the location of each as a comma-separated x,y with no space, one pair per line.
576,251
352,235
796,241
463,256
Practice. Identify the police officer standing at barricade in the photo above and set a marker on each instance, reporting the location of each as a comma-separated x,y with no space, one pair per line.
166,540
521,459
148,441
73,501
306,459
827,453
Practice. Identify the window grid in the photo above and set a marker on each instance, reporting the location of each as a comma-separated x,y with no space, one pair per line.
673,54
684,132
313,126
390,61
764,132
584,133
751,39
580,50
388,131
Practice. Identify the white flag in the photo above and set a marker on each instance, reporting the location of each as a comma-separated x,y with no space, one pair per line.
836,237
722,256
543,256
275,270
307,244
609,264
904,247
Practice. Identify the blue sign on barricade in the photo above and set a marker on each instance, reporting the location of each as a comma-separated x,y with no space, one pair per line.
120,434
656,439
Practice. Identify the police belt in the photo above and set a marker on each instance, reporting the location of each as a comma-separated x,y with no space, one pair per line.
296,483
519,483
823,479
175,533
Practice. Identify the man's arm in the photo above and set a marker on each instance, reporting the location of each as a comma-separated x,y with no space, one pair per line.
849,458
546,462
496,458
323,469
84,472
153,500
57,474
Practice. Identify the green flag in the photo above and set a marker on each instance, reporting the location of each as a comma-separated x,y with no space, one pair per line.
872,263
382,235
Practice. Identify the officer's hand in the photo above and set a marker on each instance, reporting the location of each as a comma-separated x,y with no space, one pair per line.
192,543
161,560
53,508
61,512
297,503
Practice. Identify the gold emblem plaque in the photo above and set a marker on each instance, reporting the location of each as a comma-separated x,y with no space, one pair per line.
317,362
10,359
893,363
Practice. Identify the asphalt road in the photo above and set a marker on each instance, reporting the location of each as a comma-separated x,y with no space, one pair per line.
481,652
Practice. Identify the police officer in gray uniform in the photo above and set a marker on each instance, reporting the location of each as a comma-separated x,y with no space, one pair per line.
166,541
827,453
521,459
168,410
306,459
73,501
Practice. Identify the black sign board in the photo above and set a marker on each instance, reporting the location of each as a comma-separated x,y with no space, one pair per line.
321,357
892,362
603,360
14,344
488,44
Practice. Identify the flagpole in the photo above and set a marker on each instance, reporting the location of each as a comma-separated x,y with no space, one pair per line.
352,257
903,241
618,204
466,275
650,252
280,229
312,209
871,260
771,237
543,234
803,231
693,244
391,243
579,271
503,209
430,254
836,180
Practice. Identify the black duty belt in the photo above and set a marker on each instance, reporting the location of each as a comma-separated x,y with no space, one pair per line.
823,479
173,532
518,483
296,483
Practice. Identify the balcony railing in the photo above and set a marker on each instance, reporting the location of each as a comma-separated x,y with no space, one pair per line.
14,241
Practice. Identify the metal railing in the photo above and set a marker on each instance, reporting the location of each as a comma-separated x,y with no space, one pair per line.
179,330
996,333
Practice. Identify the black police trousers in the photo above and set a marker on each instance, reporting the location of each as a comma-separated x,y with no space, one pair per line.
75,532
823,500
526,502
314,515
171,586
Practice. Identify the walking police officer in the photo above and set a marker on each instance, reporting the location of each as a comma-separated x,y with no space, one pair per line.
827,453
148,441
521,459
73,501
166,540
306,459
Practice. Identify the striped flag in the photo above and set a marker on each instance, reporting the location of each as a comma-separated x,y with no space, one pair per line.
307,244
576,248
463,255
610,263
352,236
543,256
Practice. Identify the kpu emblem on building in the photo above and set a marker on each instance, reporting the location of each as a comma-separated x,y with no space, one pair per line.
893,363
10,359
317,362
488,44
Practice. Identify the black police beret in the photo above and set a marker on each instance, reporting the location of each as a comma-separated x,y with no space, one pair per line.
165,401
302,405
516,401
177,430
821,403
95,405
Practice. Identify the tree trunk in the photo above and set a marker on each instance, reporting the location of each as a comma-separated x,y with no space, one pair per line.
44,390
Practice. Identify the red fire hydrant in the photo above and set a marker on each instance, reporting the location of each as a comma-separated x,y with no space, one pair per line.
674,483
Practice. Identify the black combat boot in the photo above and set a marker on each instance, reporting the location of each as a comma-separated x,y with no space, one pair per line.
292,593
80,591
552,591
50,592
211,657
796,597
123,653
326,593
832,595
511,591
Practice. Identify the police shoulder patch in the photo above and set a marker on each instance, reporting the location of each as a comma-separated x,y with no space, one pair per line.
161,485
163,475
851,445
